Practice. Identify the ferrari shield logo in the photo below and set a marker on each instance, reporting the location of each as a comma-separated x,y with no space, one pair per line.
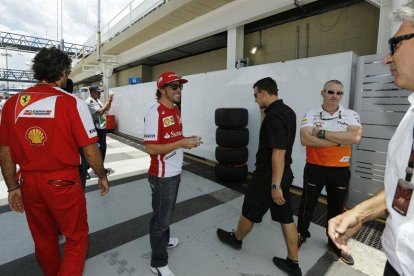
24,100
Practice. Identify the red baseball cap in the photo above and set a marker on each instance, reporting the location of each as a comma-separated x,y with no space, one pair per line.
168,77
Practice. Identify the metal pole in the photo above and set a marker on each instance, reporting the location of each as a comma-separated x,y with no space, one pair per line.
98,33
57,20
7,68
61,26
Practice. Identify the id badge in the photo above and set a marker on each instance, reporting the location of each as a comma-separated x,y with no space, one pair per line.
402,197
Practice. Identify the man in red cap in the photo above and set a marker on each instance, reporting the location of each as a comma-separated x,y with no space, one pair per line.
164,141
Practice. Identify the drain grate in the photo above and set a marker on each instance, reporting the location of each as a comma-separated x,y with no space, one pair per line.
370,233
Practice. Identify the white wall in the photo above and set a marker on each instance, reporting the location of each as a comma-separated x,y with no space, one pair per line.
299,81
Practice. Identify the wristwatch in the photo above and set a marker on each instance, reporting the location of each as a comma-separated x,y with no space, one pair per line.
275,186
321,134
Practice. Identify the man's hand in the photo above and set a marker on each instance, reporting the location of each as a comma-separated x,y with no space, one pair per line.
15,201
342,227
315,131
191,142
277,195
103,184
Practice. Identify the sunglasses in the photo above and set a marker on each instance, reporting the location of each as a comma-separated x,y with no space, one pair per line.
332,92
394,41
174,86
255,94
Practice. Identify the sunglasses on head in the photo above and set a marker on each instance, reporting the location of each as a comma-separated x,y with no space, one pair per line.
393,41
331,92
175,86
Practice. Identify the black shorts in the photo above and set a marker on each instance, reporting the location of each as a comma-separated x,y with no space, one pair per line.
258,198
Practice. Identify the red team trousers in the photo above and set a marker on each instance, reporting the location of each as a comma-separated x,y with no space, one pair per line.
52,201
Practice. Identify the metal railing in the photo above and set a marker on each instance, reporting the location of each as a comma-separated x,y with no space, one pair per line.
16,75
127,17
33,44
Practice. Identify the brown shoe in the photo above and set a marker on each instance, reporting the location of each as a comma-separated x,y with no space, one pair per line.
339,254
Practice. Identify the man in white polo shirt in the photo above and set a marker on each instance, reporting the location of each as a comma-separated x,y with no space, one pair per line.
328,133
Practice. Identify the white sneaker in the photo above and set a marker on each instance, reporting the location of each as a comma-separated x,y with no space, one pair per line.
173,242
162,271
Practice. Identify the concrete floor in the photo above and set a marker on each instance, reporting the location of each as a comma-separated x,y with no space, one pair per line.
119,243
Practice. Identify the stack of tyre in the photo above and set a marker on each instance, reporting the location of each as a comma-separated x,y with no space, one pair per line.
232,138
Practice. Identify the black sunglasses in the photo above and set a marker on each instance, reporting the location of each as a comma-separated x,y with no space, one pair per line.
174,86
393,41
331,92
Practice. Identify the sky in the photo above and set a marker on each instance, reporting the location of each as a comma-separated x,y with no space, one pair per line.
42,18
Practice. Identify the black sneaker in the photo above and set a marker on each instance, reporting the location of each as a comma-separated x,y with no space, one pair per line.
291,270
339,254
108,171
229,238
301,240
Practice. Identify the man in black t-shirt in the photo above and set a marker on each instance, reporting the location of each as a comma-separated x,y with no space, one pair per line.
269,187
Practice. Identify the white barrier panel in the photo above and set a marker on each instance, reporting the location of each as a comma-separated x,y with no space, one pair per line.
299,82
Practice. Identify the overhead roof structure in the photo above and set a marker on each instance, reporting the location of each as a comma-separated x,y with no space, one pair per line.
142,44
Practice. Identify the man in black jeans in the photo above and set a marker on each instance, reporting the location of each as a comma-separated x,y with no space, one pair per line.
328,133
164,142
269,187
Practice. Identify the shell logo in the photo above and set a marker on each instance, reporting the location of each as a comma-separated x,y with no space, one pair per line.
167,122
36,136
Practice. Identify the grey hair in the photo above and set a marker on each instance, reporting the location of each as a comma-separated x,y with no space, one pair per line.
404,13
325,86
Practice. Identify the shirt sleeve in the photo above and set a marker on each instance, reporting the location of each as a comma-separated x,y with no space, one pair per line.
93,106
276,132
5,117
151,127
307,120
354,119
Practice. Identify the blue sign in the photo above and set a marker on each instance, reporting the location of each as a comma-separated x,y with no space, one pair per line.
134,80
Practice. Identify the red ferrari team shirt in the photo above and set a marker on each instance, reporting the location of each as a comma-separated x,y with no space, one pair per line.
163,126
44,127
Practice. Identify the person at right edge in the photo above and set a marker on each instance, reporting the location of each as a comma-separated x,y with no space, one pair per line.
395,200
271,181
328,133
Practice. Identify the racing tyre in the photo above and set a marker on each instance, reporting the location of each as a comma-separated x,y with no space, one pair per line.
232,138
231,117
229,173
232,155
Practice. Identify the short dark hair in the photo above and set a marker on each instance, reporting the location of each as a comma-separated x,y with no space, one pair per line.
69,86
49,64
267,84
158,94
325,86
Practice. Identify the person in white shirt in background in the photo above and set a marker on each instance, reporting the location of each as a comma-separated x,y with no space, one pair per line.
98,111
